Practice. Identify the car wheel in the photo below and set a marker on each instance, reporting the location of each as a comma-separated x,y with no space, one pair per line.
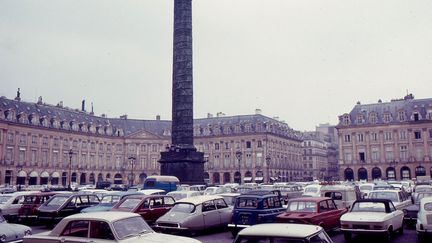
234,232
388,235
347,236
401,229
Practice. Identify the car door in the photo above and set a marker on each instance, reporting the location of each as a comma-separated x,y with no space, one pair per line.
210,214
15,205
224,210
76,231
69,208
396,217
333,217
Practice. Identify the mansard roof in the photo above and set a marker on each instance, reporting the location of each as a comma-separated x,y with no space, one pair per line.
124,126
407,105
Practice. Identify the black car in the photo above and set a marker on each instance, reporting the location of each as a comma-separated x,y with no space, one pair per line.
62,205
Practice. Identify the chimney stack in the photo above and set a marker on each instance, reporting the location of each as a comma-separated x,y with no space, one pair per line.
157,117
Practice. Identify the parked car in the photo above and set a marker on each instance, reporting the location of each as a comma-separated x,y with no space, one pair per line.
62,205
29,208
213,190
150,207
420,188
410,217
199,188
195,214
103,227
230,198
166,183
12,232
289,191
312,190
10,203
108,201
372,216
276,232
177,195
399,198
343,195
424,219
320,211
255,207
365,188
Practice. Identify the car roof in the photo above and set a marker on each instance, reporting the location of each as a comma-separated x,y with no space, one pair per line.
314,199
425,200
199,199
108,216
374,200
281,230
384,190
260,192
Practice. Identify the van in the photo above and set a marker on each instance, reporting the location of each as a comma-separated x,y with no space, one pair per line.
343,195
166,183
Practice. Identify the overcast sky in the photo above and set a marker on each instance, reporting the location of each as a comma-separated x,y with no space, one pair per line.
305,62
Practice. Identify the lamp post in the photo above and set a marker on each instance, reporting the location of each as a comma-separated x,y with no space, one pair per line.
268,161
70,169
132,162
239,157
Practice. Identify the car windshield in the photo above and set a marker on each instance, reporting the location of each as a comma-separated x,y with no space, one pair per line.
177,195
393,196
428,206
183,208
366,188
57,201
130,203
368,207
132,226
230,200
422,195
302,207
311,190
267,239
108,199
423,189
4,199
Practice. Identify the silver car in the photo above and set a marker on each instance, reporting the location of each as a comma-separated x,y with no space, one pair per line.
12,232
195,214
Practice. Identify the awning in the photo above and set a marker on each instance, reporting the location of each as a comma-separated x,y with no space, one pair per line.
34,174
247,179
22,174
259,179
273,178
44,174
55,175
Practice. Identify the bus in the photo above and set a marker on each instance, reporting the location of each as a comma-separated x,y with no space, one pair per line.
167,183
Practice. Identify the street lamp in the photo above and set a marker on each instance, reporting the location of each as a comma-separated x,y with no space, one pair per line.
132,162
70,169
268,161
239,157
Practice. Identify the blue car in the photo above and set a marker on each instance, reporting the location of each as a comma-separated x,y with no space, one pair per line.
255,207
108,201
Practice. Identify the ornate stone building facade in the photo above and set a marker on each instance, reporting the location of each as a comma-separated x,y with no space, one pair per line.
46,144
315,161
387,140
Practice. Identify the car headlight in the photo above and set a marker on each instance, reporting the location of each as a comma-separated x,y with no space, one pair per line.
3,238
27,232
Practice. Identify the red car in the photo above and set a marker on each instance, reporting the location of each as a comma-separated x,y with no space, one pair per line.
28,210
150,207
320,211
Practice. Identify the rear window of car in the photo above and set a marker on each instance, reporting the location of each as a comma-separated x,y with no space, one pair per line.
3,199
368,207
385,195
183,208
130,203
428,206
247,203
302,207
57,201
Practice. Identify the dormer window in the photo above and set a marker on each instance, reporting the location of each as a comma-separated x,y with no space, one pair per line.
401,116
387,117
44,122
360,119
416,116
373,118
429,115
55,123
346,120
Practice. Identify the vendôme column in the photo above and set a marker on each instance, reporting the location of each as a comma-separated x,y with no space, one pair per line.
182,159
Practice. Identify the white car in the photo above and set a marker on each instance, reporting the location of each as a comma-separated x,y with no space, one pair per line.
399,198
313,190
282,232
371,216
424,219
11,203
177,195
103,227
